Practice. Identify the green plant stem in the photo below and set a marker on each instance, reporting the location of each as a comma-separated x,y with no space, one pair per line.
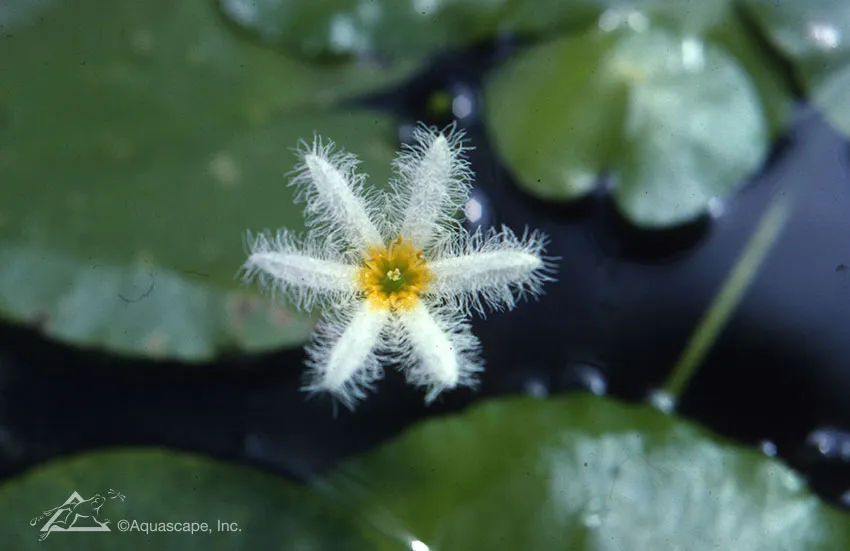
726,301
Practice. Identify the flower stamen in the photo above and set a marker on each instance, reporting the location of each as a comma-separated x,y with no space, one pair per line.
393,277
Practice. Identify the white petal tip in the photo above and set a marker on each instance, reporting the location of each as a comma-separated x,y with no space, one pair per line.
441,143
342,357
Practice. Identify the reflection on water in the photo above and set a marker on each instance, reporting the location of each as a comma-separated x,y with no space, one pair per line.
825,35
830,443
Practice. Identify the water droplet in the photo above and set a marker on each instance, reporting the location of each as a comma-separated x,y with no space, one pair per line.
346,36
662,401
418,545
829,443
477,210
585,377
461,107
824,35
464,102
693,55
473,210
768,448
592,520
716,207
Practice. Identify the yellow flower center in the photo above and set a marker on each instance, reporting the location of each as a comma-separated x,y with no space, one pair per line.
394,276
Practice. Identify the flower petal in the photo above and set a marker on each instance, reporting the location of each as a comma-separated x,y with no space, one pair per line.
491,268
342,356
438,350
433,184
338,206
303,270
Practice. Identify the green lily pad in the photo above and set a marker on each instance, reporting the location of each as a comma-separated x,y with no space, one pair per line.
717,21
414,28
771,80
542,17
676,117
584,473
242,508
579,472
814,36
138,142
396,28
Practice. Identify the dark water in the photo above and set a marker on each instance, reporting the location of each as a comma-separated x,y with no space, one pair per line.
624,306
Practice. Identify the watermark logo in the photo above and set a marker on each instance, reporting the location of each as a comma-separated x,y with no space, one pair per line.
76,515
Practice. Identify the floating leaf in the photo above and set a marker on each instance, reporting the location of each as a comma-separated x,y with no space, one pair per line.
585,473
580,472
138,142
675,116
815,36
397,28
717,21
541,17
405,28
767,73
242,508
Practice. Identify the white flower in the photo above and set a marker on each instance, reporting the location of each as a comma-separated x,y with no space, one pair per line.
397,273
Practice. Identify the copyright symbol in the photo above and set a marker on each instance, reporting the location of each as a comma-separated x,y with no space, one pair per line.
123,525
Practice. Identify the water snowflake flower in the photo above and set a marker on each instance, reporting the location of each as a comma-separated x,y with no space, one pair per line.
397,273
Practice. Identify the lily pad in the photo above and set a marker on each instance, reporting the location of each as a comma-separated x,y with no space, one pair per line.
815,37
584,473
579,472
542,17
241,508
396,28
717,21
138,142
771,78
415,28
676,117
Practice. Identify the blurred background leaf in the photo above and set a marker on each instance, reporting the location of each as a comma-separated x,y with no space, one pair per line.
584,473
815,37
578,472
394,28
676,116
545,17
138,142
161,486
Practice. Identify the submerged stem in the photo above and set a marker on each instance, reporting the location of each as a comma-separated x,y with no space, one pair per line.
726,301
